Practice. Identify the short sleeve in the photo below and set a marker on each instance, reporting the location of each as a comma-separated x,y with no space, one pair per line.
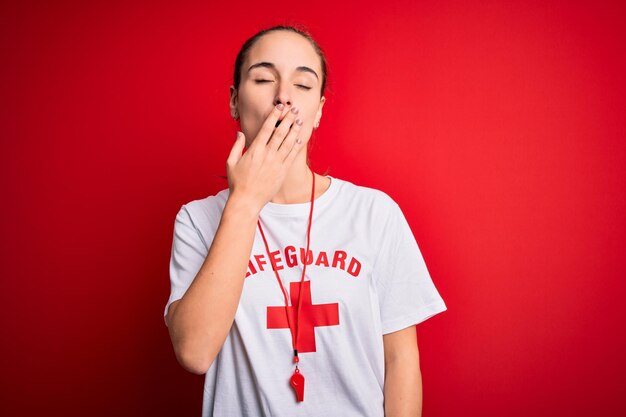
189,251
407,294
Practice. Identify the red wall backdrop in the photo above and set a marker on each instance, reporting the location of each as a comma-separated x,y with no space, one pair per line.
497,126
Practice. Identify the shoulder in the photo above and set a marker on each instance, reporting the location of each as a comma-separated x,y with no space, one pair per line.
365,197
205,211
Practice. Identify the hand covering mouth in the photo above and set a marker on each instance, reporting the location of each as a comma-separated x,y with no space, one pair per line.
280,120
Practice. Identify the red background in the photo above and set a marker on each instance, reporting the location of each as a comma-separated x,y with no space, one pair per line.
497,126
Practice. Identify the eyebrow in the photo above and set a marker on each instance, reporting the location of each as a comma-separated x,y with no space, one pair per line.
273,67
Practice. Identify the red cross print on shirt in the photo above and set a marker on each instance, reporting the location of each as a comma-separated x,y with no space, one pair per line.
312,316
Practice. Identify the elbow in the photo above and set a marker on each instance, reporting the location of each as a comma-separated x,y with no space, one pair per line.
193,357
196,369
193,353
193,362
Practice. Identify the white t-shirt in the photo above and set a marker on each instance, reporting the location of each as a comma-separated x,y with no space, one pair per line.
366,277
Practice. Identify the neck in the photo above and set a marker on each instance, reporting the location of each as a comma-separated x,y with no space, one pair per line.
297,185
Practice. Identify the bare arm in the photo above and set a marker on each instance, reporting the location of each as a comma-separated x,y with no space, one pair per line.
200,321
403,378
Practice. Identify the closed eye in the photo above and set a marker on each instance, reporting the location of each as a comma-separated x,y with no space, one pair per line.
304,87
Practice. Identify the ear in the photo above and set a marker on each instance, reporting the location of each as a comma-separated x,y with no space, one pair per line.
318,115
234,98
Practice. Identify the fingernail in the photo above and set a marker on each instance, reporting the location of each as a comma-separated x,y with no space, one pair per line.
280,106
238,135
299,122
298,140
294,110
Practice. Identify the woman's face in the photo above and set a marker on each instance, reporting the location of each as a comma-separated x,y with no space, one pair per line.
281,67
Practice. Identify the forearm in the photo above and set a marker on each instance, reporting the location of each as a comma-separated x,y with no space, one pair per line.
203,317
403,389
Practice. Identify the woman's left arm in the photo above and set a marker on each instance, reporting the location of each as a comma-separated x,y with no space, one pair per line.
403,378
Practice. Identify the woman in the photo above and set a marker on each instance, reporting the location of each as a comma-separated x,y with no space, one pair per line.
296,293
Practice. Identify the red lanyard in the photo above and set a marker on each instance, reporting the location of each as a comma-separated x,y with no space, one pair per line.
297,379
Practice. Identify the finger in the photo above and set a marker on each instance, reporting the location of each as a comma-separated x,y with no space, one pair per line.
283,129
295,149
290,140
237,149
268,126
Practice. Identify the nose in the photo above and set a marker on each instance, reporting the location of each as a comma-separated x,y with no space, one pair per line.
282,95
